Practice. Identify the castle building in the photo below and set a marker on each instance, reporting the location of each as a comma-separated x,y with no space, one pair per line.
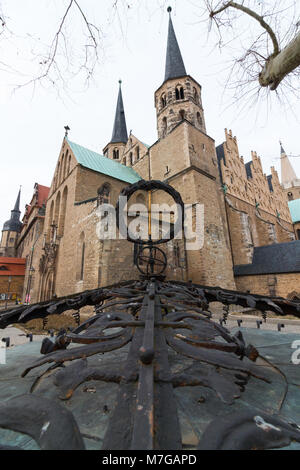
249,239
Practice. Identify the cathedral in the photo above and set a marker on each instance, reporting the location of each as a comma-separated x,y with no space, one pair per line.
251,242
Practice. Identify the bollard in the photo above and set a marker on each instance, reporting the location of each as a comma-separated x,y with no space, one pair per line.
258,323
279,326
30,336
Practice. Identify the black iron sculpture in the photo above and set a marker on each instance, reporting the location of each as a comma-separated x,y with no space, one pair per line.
153,315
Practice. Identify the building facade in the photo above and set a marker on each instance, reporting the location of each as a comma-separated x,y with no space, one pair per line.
244,209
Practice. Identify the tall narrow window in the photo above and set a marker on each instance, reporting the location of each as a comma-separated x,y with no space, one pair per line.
199,119
163,101
115,154
130,158
82,261
164,126
196,96
63,211
137,153
177,94
181,93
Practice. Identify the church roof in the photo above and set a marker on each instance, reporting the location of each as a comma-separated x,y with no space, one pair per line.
96,162
272,259
120,130
174,62
294,207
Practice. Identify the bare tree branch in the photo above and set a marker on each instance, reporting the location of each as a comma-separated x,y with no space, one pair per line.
254,15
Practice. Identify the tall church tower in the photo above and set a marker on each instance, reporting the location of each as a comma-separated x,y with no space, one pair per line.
185,157
179,97
115,148
11,230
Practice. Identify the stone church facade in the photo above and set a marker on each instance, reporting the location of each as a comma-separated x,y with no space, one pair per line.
244,210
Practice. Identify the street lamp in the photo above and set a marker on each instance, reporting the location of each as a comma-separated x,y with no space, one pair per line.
9,281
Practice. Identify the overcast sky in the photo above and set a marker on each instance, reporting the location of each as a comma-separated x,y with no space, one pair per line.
133,49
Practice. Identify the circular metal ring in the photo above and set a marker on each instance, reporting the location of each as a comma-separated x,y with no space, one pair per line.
144,185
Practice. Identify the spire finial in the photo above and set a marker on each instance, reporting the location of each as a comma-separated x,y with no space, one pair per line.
66,130
120,82
169,9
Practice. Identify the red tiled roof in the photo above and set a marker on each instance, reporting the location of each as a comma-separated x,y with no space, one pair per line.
43,192
14,266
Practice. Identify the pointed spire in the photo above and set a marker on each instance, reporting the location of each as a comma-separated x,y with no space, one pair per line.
120,130
17,204
288,174
174,63
281,148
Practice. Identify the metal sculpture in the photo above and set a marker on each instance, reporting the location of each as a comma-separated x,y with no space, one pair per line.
152,315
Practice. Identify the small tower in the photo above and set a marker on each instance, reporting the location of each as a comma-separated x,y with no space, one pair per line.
115,148
289,181
11,230
179,97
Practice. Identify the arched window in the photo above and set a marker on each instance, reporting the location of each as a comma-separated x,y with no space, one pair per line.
61,176
137,152
130,158
65,165
57,176
182,114
164,126
177,93
63,212
181,92
57,207
163,101
199,119
69,164
104,194
115,154
196,96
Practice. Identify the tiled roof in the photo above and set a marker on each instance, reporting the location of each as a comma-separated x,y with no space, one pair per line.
96,162
294,207
12,266
272,259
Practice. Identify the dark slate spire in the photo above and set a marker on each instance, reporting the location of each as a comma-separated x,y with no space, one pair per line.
120,130
281,148
14,224
174,63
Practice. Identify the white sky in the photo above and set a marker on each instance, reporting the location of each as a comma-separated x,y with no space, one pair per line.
32,123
